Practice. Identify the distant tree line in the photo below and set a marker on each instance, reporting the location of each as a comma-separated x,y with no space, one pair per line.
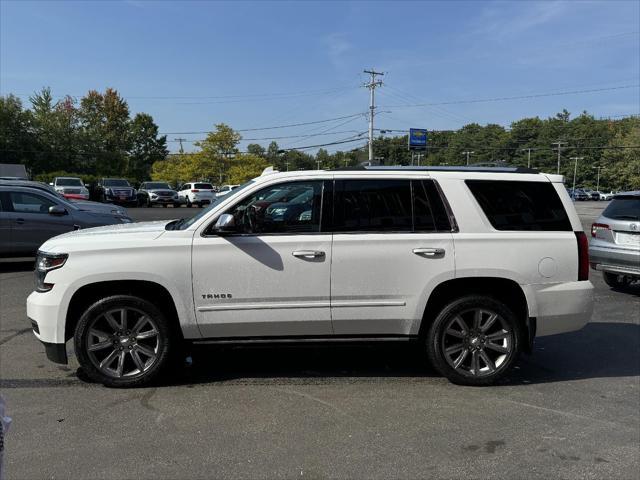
96,136
93,136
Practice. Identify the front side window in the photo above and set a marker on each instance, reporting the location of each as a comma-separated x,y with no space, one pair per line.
373,206
30,203
292,207
520,206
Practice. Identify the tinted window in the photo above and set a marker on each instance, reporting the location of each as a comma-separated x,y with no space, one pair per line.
295,209
203,186
428,210
30,203
69,182
155,185
512,205
373,206
623,208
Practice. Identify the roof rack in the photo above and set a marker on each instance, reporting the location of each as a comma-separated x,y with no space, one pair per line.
442,168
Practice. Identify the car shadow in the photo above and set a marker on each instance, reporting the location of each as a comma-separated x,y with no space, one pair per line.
599,350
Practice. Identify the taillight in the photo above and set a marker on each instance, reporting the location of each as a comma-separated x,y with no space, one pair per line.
598,227
583,256
195,191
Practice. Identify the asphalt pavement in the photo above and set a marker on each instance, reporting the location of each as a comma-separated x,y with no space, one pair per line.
571,410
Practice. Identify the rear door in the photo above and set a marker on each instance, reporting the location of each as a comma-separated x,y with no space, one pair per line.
392,241
5,226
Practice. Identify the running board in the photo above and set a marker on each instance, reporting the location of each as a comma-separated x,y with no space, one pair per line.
305,340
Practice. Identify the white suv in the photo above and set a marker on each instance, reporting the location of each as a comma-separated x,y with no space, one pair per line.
196,193
471,263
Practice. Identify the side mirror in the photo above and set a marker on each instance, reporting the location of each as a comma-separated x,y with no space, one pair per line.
58,210
226,224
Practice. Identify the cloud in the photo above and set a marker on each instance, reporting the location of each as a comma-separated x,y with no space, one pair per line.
337,46
512,18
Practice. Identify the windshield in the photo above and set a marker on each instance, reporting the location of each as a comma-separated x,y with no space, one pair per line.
203,186
183,224
625,208
116,183
69,182
156,185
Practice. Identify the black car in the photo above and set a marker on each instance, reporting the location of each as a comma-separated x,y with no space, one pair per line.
116,190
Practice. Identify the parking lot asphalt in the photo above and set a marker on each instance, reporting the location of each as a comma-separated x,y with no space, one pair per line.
570,410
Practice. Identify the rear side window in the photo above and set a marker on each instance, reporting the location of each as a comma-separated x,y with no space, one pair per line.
429,212
513,205
373,206
623,208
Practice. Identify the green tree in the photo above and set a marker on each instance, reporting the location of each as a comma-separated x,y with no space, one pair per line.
146,146
257,150
18,141
245,167
220,147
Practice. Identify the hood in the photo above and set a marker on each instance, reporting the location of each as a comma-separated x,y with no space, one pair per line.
102,237
97,207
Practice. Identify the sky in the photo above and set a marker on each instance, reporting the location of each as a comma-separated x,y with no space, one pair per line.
257,65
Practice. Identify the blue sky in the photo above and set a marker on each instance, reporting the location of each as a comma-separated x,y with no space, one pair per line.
262,64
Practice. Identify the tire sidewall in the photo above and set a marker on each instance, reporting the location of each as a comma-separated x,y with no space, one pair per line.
110,303
434,338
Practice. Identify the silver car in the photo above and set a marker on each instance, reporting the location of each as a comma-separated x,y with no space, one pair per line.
615,241
30,214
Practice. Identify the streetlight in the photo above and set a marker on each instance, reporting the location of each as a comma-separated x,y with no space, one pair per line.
467,153
598,167
575,169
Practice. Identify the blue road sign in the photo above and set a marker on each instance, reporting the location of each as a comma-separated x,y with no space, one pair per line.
417,139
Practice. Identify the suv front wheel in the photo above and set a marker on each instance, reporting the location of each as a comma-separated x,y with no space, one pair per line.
474,340
123,341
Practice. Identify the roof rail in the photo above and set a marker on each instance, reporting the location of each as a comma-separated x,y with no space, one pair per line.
440,168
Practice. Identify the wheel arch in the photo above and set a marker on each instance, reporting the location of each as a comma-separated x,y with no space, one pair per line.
92,292
505,290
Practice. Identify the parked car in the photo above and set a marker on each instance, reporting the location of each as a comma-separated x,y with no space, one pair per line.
615,241
71,188
577,194
592,194
157,193
31,214
606,196
116,190
196,193
469,263
224,189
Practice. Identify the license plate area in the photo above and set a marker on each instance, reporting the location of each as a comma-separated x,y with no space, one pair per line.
625,238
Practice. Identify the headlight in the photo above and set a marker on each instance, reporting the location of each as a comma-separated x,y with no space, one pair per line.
125,219
108,191
45,262
153,195
84,191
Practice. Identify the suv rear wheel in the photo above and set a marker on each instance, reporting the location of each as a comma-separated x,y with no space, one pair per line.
474,340
619,282
123,341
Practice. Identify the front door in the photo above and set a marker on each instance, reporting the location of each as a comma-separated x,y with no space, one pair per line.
392,240
31,222
271,276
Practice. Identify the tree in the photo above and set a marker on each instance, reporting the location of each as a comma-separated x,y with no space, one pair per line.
18,141
621,166
245,167
146,146
219,147
257,150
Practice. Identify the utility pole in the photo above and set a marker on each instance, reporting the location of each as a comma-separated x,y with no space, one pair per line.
598,167
559,144
318,162
286,164
575,169
346,162
372,105
467,153
419,157
528,156
181,140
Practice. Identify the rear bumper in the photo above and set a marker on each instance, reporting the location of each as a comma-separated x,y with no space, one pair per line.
623,261
562,307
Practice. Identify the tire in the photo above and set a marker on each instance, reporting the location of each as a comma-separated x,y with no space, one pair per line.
618,282
119,357
176,205
487,349
189,203
148,205
164,205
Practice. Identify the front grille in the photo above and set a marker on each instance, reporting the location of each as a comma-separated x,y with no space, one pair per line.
71,190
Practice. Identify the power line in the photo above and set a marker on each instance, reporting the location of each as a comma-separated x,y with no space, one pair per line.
520,97
269,128
276,138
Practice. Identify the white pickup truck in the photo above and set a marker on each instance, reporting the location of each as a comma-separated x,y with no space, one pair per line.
472,263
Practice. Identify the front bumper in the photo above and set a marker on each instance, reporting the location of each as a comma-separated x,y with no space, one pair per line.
622,261
562,307
47,321
164,200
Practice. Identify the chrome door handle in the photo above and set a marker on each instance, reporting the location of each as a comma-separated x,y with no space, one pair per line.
307,253
429,252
